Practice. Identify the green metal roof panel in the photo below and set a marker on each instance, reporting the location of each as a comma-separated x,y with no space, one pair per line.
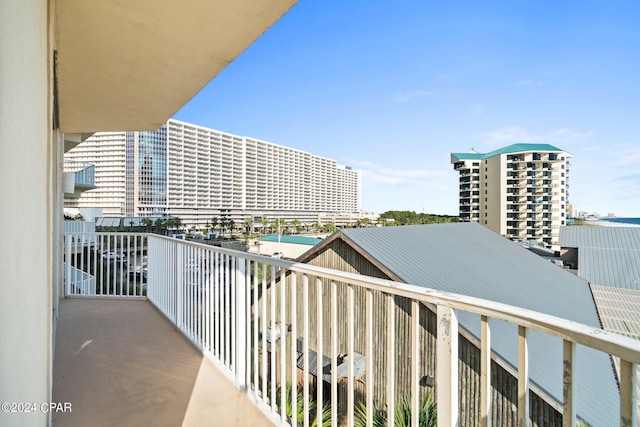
513,148
469,259
519,148
468,156
296,240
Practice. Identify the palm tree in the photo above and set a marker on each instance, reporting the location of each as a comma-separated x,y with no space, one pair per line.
330,227
232,224
224,223
177,222
265,223
147,223
248,225
159,224
275,224
296,224
214,223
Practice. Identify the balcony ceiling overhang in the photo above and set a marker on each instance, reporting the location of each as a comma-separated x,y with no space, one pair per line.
130,65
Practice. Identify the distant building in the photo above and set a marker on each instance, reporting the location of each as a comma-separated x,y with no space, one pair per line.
106,151
196,173
520,191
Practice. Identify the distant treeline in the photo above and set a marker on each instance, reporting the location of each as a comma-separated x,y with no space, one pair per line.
410,217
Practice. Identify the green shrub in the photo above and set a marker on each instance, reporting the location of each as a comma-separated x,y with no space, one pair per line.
313,416
427,413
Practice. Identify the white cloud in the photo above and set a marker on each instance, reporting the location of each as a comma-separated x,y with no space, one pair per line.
628,157
511,134
373,174
403,97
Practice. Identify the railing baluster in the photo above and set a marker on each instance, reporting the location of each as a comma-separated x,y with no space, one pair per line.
256,326
369,357
179,286
248,325
207,289
106,263
305,353
232,325
265,344
294,329
217,305
240,325
391,355
226,278
120,260
523,377
485,373
334,354
320,340
350,353
447,366
95,254
67,261
415,363
628,394
568,384
283,349
272,366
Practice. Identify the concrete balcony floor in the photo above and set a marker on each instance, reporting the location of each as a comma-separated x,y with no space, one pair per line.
121,363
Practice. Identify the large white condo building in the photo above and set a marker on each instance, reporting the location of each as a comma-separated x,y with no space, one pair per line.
196,173
520,191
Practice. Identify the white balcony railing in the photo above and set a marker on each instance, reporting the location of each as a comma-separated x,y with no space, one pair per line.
272,326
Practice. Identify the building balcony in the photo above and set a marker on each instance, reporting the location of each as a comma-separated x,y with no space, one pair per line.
78,177
159,331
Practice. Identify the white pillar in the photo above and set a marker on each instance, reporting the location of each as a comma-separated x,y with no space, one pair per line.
27,165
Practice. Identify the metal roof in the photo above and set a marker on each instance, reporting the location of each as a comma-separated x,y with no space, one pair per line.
513,148
619,309
607,256
469,259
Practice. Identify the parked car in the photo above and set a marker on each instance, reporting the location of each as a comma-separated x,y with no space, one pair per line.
112,256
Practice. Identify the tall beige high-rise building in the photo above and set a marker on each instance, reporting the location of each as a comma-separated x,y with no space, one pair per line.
196,173
519,191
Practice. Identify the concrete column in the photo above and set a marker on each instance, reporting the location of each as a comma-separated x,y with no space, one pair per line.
26,198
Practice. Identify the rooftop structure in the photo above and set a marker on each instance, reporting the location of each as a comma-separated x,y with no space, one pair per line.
465,258
604,256
519,191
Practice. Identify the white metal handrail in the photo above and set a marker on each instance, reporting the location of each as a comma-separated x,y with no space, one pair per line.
116,262
252,315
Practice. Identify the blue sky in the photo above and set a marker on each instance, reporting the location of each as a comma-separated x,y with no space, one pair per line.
393,87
